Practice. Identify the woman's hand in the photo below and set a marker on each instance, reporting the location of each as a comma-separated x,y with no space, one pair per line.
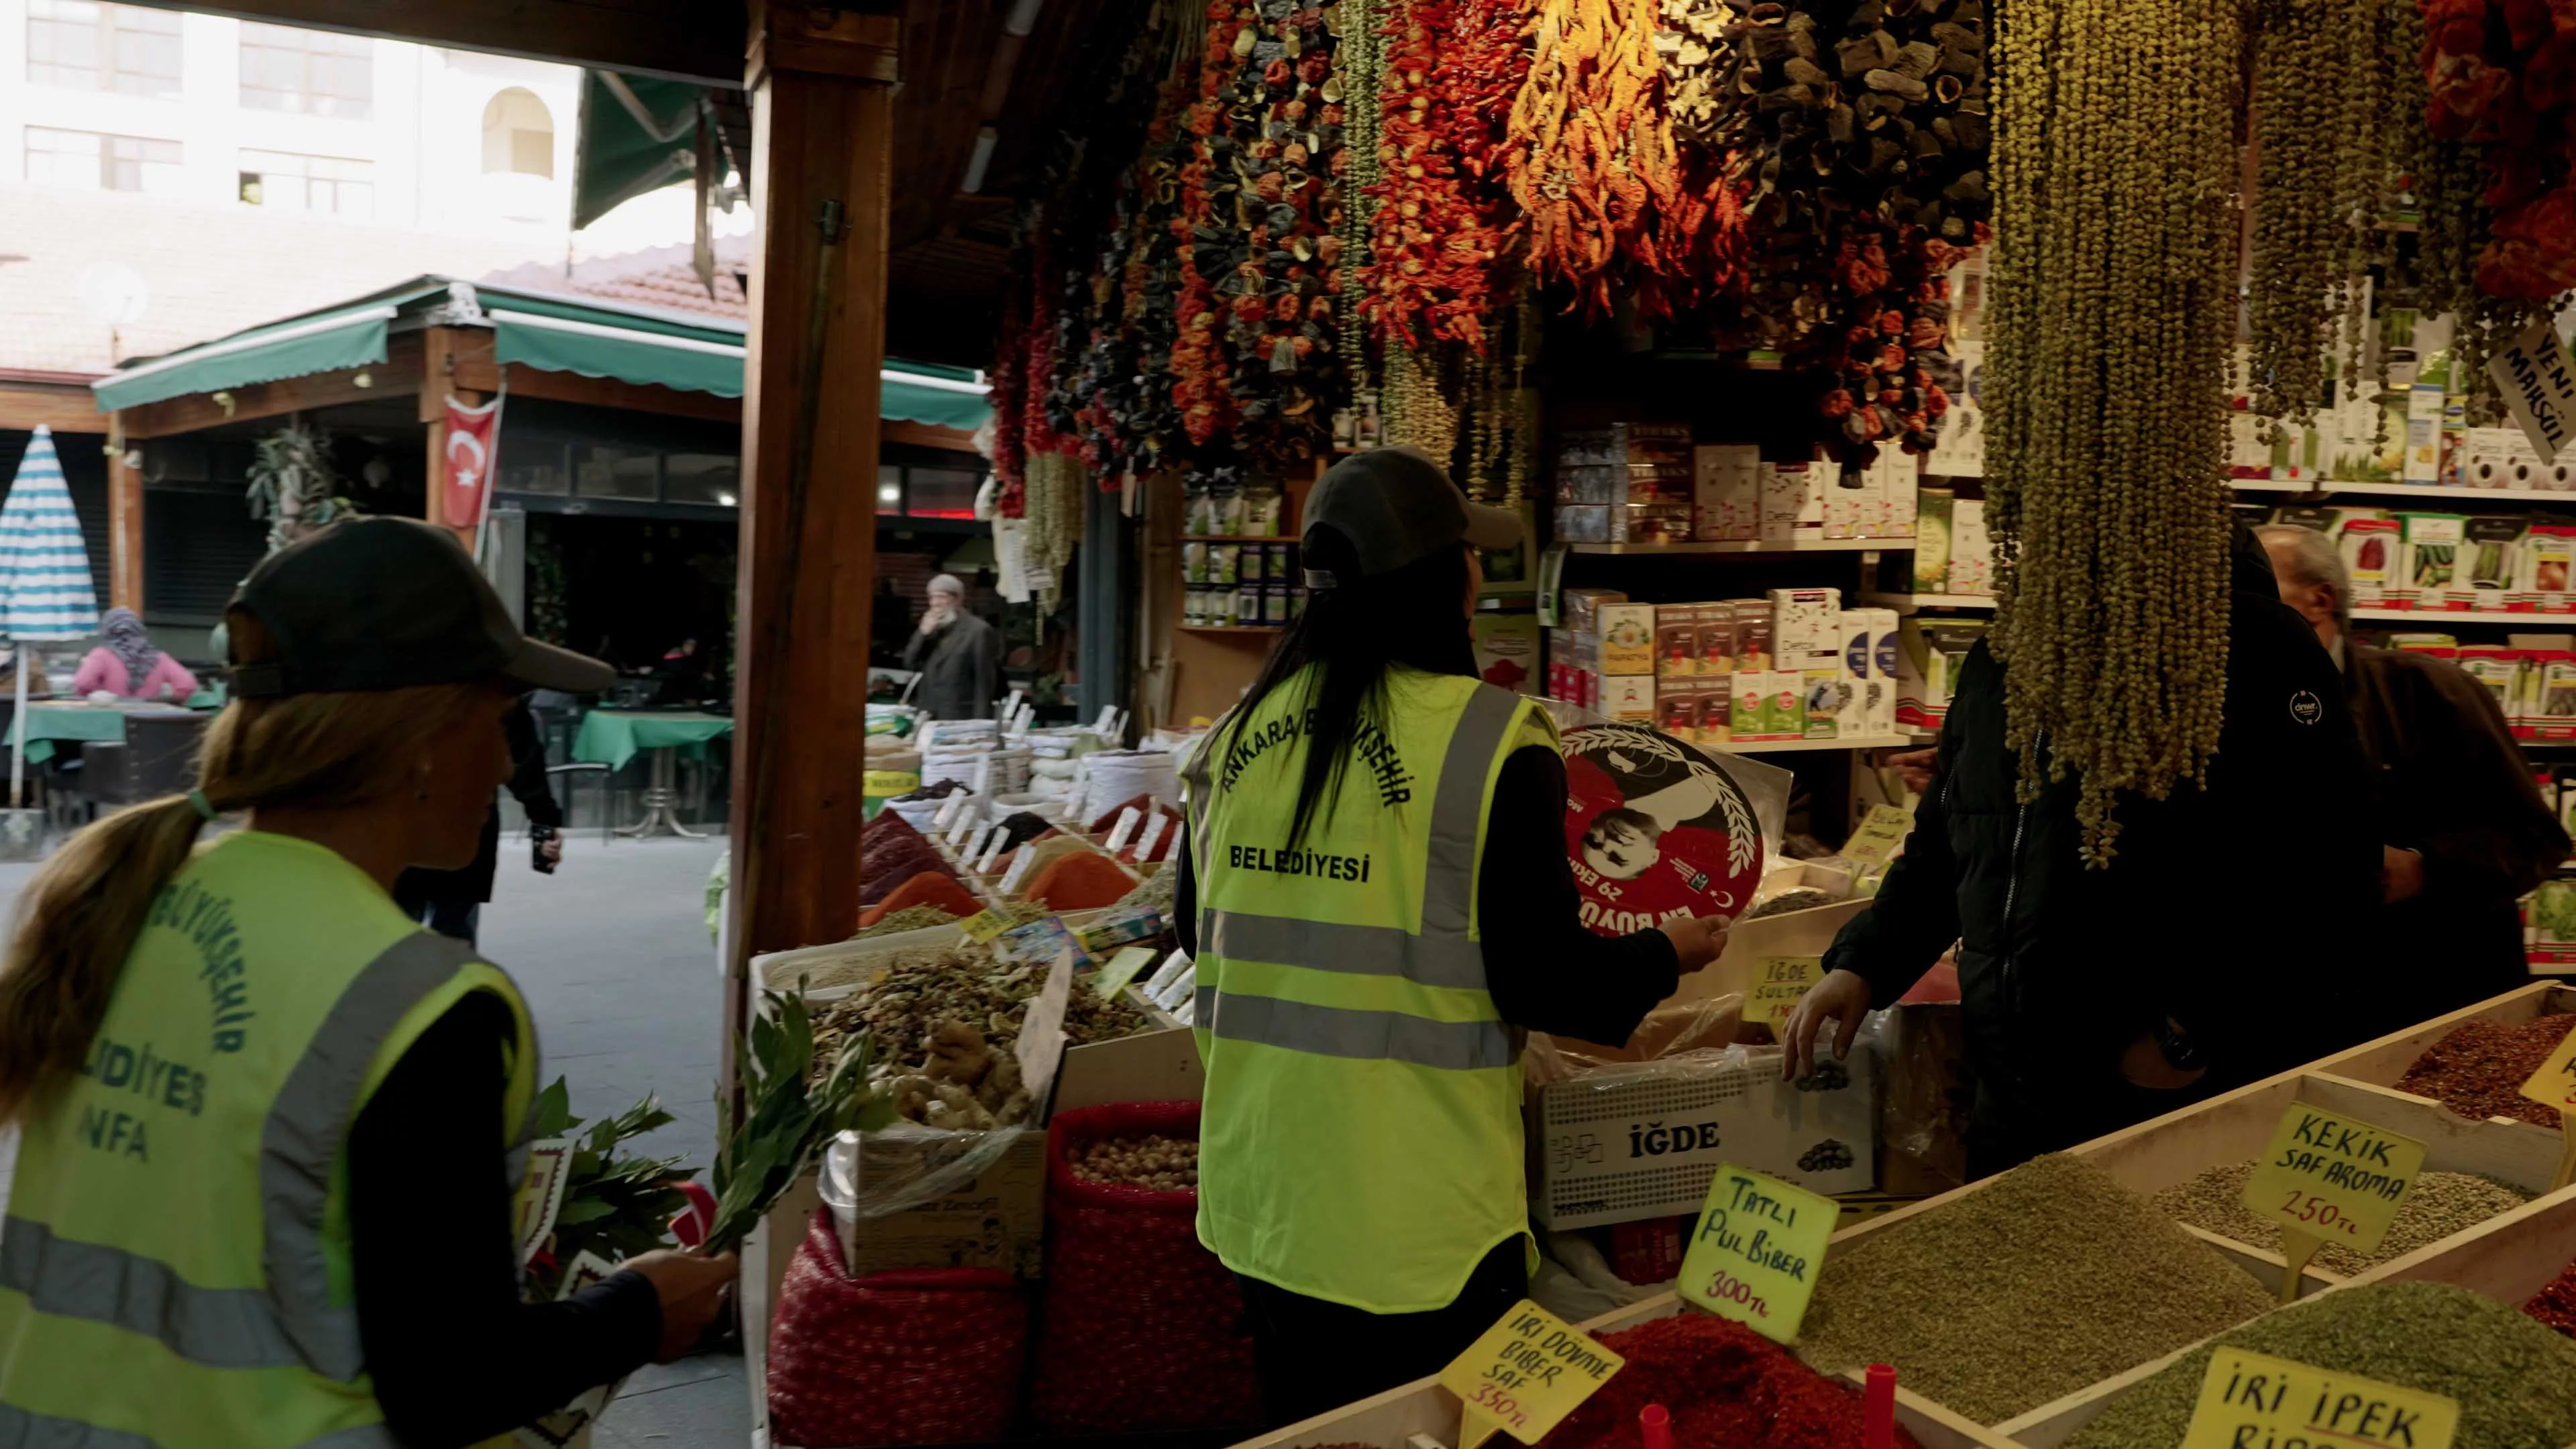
1842,997
692,1292
1697,940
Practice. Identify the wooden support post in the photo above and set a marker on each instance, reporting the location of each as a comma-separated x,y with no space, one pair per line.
124,524
822,89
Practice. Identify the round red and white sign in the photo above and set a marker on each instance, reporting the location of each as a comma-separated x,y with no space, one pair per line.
1656,830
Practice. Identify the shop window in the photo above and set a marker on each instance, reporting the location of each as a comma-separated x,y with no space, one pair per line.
714,478
197,548
534,468
93,162
330,185
889,488
603,472
311,72
941,492
518,134
89,46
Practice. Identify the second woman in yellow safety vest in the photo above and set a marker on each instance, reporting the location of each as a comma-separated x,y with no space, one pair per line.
1376,893
264,1190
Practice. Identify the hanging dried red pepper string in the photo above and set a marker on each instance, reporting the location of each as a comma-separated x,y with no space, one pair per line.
1452,69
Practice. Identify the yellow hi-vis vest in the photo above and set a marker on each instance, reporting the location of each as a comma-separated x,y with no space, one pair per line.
174,1268
1360,1140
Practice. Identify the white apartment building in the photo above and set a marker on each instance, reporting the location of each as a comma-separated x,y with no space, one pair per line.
243,171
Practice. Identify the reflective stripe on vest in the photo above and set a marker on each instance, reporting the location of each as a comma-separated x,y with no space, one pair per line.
294,1322
22,1430
1335,1031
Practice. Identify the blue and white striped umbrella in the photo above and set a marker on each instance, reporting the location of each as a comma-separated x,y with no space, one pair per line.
45,588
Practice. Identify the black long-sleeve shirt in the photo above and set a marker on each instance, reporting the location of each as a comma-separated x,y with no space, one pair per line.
455,1356
535,792
1546,970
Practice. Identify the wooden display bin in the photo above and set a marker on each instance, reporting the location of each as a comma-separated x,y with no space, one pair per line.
2383,1061
1425,1408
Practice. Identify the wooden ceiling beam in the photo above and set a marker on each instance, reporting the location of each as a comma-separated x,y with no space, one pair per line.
63,408
691,40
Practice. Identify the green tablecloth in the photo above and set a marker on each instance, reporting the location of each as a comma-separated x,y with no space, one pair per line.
612,736
47,723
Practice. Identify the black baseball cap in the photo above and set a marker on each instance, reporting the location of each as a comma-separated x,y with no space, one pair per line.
390,603
1397,507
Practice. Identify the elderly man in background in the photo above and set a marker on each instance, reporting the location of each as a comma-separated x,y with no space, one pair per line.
2463,830
959,656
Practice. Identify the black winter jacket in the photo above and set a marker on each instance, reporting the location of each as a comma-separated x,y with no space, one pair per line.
2221,912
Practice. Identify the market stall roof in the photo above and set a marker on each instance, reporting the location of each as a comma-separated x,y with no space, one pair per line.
531,327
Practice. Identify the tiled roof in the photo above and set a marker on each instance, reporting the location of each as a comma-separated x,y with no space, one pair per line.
211,270
656,277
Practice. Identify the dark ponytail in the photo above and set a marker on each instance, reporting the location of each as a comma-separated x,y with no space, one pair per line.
1353,633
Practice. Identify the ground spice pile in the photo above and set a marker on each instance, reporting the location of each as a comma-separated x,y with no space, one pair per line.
2514,1379
2047,1279
2555,1305
2478,1070
1726,1386
2440,1204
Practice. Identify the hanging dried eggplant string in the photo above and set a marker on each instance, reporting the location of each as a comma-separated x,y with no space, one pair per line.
1525,403
1418,410
2105,465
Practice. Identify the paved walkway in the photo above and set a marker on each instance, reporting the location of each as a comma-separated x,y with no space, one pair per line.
613,956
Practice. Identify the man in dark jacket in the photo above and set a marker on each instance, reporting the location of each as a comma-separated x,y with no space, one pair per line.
959,656
2206,955
2462,830
450,902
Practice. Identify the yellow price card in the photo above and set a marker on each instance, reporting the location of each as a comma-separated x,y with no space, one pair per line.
889,782
1527,1373
983,925
1122,968
1880,832
2554,1085
2255,1401
1778,982
2326,1179
1756,1253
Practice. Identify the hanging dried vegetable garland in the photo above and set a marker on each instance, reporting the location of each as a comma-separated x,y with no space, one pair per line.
1699,72
1592,163
1351,102
1416,403
1441,212
1056,487
2115,156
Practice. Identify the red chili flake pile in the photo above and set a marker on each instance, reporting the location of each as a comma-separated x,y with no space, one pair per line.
1726,1386
2478,1070
2555,1305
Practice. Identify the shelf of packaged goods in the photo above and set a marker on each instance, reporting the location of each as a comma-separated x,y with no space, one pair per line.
2541,623
1771,747
1231,628
2403,490
1235,538
1803,545
1909,603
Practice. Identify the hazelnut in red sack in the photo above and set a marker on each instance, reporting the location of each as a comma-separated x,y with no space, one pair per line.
917,1356
1140,1328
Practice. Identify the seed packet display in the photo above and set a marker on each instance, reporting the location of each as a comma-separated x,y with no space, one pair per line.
2370,547
2428,558
2490,551
2548,562
1655,830
2557,718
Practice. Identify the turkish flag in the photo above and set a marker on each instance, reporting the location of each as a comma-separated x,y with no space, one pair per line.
473,452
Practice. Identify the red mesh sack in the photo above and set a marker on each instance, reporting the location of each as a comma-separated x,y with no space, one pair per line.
920,1356
1139,1327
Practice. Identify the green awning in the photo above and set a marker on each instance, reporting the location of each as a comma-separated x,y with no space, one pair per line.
923,392
635,134
623,346
329,341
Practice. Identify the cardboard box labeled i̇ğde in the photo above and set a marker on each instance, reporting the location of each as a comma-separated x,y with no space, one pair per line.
1641,1141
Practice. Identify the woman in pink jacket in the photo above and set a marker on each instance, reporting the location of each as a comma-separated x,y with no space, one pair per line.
131,665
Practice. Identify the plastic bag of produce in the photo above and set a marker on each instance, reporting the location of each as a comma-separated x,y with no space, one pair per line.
924,1356
1139,1327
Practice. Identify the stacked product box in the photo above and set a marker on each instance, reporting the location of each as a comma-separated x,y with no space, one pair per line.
1627,483
1929,654
1719,673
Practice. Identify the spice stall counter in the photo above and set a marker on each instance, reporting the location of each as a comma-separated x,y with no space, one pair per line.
2384,1061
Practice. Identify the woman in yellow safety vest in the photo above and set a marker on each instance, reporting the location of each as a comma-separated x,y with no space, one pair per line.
263,1193
1376,894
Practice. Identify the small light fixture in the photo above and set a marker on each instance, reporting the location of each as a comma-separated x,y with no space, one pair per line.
363,379
979,159
726,499
890,493
224,400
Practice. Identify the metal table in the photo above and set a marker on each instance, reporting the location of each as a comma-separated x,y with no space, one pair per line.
612,737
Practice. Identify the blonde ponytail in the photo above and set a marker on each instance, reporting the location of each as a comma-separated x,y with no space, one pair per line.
79,917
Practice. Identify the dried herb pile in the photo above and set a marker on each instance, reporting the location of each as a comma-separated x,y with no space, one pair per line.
2515,1380
1726,1387
2047,1279
2478,1069
2440,1204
